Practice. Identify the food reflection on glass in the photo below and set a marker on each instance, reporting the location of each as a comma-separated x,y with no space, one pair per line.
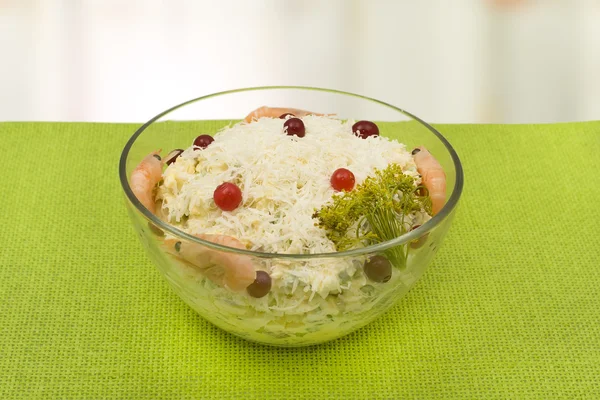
289,181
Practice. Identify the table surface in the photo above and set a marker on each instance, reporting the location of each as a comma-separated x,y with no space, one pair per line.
510,308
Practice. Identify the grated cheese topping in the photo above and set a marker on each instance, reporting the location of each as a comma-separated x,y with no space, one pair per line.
283,180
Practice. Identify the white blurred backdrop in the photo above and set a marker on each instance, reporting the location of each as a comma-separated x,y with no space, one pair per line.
506,61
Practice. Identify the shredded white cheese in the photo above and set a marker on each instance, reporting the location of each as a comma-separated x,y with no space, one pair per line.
283,180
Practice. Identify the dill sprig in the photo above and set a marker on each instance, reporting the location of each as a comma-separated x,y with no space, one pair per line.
374,211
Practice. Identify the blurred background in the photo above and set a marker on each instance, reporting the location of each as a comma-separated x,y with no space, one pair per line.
460,61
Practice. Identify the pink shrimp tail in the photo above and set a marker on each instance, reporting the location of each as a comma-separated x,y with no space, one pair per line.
433,177
145,177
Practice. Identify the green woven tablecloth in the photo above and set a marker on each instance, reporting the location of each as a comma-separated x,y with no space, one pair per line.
510,308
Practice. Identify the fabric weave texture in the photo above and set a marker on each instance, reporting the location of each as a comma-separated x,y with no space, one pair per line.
510,307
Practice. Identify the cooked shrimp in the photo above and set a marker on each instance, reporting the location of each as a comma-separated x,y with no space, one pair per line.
433,177
275,112
230,270
144,179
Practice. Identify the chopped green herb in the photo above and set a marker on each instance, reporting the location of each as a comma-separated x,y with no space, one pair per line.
374,211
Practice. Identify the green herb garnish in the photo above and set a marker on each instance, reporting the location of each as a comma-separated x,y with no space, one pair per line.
374,212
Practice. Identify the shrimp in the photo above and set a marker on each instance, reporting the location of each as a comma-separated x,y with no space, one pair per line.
433,176
145,177
233,271
275,112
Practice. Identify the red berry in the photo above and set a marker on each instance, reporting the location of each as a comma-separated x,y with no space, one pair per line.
284,116
342,179
365,129
378,269
415,244
203,141
261,285
294,126
227,196
172,156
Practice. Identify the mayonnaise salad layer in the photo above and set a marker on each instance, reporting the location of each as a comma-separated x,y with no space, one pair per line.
283,180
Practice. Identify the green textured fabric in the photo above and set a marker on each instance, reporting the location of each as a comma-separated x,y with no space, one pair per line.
510,307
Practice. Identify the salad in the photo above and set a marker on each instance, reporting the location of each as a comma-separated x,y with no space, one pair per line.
288,181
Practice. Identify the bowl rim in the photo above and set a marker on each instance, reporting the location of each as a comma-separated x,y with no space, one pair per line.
375,248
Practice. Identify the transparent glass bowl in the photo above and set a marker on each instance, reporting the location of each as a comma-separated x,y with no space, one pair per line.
310,319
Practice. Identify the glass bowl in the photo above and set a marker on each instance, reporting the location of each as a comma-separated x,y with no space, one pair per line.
307,319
